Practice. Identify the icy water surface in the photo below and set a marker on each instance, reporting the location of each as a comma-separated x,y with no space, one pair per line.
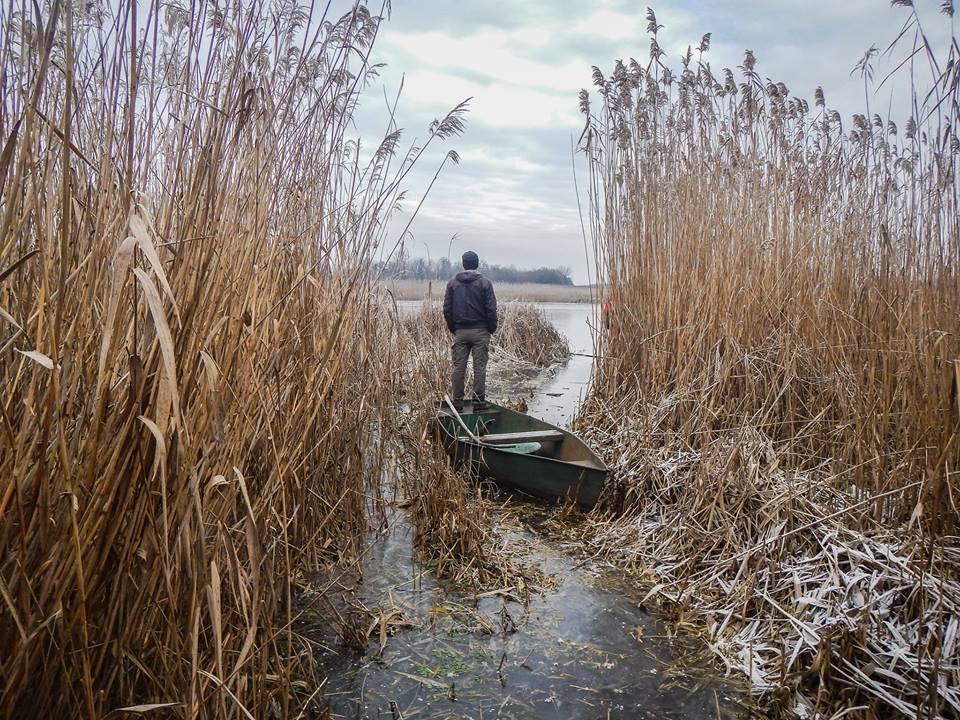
557,397
583,646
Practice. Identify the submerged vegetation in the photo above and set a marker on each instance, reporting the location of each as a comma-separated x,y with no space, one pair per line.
779,370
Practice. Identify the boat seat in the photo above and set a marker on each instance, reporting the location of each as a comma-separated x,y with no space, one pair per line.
523,448
522,437
526,448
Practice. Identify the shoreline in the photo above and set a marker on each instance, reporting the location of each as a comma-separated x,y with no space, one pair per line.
506,292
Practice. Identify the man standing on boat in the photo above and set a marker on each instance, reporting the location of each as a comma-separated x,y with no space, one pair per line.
470,311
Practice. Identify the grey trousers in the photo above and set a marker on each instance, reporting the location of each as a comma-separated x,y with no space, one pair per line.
477,342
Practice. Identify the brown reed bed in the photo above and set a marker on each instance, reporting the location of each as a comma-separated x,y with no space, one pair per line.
191,384
778,373
524,336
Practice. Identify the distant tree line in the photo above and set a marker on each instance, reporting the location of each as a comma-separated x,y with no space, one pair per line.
444,269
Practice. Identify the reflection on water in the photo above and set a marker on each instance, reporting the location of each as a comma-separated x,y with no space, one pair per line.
584,647
557,398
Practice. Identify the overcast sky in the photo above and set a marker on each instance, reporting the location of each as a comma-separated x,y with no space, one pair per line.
512,197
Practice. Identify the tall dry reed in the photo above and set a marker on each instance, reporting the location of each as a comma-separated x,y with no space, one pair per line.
779,365
189,374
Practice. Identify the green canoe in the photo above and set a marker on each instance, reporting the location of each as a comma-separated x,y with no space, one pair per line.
523,453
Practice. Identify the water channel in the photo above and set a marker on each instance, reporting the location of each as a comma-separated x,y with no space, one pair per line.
584,646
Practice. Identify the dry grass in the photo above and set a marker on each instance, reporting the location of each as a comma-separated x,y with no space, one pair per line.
506,292
779,374
191,383
524,336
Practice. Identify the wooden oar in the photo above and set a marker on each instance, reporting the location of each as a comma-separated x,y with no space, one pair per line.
473,437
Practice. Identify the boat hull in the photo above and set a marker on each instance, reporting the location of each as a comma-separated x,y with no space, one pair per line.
563,468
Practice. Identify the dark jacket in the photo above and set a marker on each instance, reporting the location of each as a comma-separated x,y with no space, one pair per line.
470,302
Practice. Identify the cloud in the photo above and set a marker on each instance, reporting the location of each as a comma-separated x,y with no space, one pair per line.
498,105
512,197
487,56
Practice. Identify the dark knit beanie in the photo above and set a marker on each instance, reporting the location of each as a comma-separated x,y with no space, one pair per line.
470,260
